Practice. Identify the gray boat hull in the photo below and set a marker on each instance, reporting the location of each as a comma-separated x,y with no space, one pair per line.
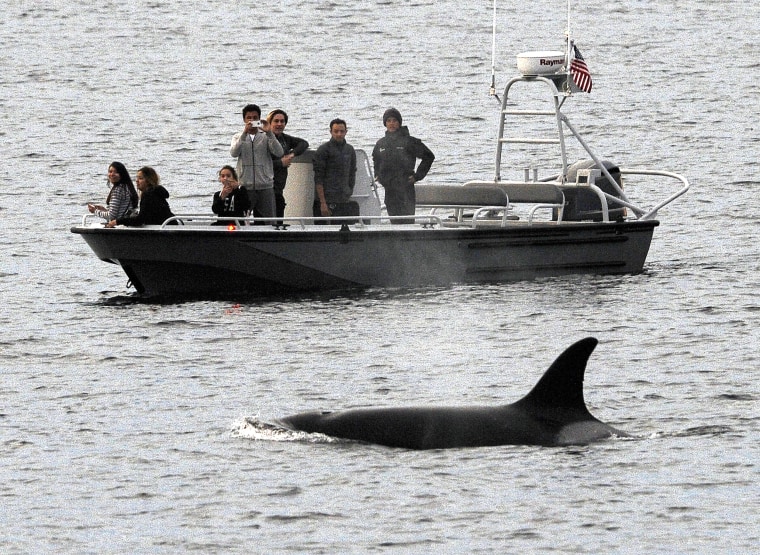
217,262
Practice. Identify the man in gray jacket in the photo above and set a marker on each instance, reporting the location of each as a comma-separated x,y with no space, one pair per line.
253,147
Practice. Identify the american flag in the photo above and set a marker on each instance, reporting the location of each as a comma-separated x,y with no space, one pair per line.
579,71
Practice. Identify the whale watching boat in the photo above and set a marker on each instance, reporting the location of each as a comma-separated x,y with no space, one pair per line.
577,219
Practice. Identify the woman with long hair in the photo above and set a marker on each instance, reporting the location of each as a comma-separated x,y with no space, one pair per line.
154,209
122,198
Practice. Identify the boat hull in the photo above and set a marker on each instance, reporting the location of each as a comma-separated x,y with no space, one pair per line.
218,262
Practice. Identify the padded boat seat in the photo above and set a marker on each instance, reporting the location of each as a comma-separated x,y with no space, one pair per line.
453,196
538,193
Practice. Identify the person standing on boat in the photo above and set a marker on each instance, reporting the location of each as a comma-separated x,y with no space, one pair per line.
154,209
122,198
394,158
254,147
292,147
232,201
334,174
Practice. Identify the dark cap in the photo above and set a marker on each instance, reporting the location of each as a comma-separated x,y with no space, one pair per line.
392,113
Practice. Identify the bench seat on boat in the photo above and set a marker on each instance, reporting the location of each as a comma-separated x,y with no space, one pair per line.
543,195
456,196
538,193
482,201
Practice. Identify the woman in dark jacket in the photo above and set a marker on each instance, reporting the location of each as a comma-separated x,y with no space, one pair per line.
232,200
154,210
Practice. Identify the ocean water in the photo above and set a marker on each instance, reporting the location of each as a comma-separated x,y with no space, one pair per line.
125,427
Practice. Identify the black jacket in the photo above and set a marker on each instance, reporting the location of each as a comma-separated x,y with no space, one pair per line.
154,209
335,168
236,204
289,144
396,154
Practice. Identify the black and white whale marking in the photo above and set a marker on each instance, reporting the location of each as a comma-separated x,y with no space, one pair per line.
552,414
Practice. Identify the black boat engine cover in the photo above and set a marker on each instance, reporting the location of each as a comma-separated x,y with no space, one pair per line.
582,203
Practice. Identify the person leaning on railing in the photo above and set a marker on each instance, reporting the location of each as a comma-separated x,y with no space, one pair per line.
291,147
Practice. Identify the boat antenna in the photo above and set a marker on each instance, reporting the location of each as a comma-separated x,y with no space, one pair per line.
492,90
568,40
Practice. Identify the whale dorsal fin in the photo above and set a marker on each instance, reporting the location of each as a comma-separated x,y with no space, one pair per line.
561,386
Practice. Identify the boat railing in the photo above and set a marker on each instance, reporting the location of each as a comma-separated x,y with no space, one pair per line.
541,195
255,223
87,219
640,213
486,202
652,212
548,194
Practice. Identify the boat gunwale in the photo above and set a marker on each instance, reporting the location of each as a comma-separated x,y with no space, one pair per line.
316,231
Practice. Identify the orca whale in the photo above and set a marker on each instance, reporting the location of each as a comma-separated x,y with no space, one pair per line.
554,413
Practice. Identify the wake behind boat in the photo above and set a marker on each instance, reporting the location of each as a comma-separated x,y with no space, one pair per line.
577,220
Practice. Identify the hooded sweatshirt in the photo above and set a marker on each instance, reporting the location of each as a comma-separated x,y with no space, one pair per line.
154,209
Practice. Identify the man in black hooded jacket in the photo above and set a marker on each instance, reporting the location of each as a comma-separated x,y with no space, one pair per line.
394,158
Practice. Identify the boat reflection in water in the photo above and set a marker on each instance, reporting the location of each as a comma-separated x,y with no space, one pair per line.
576,221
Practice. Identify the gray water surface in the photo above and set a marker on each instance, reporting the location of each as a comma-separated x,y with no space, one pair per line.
124,426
